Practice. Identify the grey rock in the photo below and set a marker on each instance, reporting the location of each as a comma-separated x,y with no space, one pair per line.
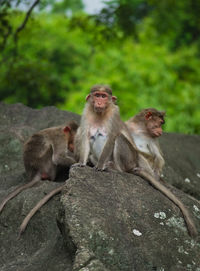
105,221
125,224
182,155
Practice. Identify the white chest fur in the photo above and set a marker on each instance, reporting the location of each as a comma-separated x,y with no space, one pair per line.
146,144
98,138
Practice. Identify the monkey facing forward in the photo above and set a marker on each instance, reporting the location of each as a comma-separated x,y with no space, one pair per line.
43,153
100,126
103,137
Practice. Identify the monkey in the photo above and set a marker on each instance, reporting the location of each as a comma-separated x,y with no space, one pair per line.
143,156
145,128
43,152
100,119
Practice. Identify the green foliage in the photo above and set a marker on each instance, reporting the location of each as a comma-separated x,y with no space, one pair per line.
145,75
58,59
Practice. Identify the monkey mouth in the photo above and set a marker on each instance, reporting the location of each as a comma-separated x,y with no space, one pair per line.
157,134
99,109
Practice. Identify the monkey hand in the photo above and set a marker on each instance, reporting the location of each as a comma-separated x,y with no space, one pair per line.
100,169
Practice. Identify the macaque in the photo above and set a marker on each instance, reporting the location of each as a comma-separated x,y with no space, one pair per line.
142,157
43,153
145,128
100,126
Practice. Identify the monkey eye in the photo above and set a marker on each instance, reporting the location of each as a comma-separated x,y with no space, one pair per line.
97,95
103,96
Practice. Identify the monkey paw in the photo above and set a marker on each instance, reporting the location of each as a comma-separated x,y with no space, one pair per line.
78,165
100,169
136,170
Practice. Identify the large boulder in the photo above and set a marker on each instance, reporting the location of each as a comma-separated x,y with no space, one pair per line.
104,220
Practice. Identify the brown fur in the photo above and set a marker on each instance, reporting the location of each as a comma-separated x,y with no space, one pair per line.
105,121
43,152
143,133
150,158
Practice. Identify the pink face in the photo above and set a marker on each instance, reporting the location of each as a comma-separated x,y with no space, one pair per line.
154,125
100,100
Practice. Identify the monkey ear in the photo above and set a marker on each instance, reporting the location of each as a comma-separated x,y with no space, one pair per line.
67,130
87,97
114,99
148,115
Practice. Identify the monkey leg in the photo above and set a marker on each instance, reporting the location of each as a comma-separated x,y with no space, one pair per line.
93,159
78,165
63,160
124,154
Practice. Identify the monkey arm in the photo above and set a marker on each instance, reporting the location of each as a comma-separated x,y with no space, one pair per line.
63,160
106,152
84,151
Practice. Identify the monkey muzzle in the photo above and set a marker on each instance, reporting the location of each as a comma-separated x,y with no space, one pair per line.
157,132
99,108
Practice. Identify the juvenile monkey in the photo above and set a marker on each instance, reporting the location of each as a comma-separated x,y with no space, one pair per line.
100,120
43,153
145,128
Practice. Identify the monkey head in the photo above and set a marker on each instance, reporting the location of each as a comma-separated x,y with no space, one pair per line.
154,120
100,98
70,131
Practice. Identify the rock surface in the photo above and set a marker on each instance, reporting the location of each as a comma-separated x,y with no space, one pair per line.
104,220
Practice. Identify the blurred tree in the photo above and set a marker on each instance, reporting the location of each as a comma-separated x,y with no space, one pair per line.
60,56
7,8
124,15
177,22
65,6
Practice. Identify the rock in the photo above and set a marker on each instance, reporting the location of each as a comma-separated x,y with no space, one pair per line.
105,221
123,223
41,247
182,155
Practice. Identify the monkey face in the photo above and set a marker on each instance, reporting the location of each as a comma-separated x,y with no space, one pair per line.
154,126
156,131
101,101
154,122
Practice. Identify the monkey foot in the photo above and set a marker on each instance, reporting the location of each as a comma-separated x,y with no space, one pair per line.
100,169
78,165
136,170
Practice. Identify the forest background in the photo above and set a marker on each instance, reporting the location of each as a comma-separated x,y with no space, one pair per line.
148,51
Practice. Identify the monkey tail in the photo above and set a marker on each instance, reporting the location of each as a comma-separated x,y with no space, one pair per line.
188,220
18,190
37,207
